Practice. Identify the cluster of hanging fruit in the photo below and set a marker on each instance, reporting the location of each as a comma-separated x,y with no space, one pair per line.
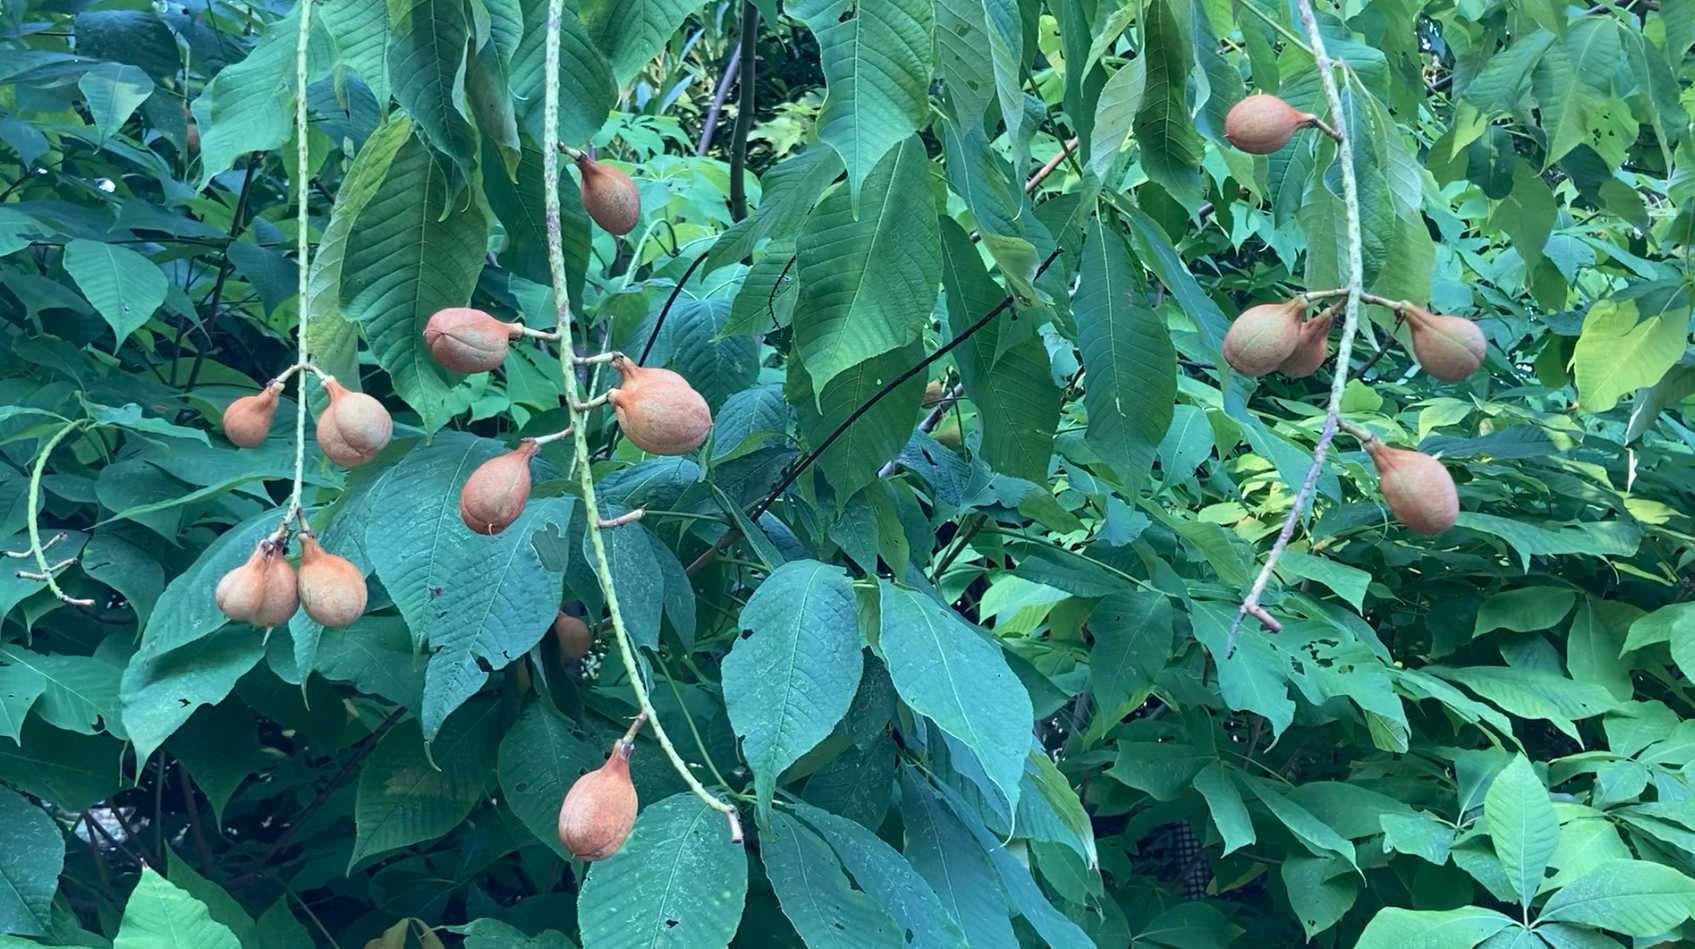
1276,337
351,430
266,590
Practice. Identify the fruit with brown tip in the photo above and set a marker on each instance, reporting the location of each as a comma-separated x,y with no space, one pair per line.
354,428
934,391
1448,347
609,196
465,339
242,591
1262,124
248,419
658,410
600,808
331,588
495,494
1263,336
574,636
1418,489
1312,349
282,598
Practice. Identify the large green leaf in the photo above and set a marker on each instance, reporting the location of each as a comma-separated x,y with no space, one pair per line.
360,29
867,282
632,32
426,64
414,250
1623,349
789,683
945,669
1572,80
1133,640
678,882
29,865
477,601
76,691
1015,394
161,916
408,794
890,879
944,854
717,364
1633,897
123,285
876,59
852,460
824,909
1522,825
521,207
20,685
160,693
787,193
981,46
586,90
1170,147
1130,364
114,91
73,771
249,106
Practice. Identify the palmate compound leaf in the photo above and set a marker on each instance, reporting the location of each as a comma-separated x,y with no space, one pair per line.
678,882
945,669
406,796
1462,928
161,916
30,862
789,683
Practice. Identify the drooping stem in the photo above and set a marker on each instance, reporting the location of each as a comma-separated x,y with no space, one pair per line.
303,42
36,547
1350,327
575,404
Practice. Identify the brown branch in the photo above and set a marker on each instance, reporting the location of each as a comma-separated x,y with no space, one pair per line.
744,110
1048,168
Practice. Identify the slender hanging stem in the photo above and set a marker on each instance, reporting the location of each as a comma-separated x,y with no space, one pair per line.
303,42
36,547
585,475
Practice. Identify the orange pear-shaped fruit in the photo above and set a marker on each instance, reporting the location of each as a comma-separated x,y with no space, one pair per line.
247,421
241,592
609,196
1450,348
1417,488
468,340
1262,124
495,494
574,636
1263,336
332,590
281,599
354,428
1312,349
600,809
658,410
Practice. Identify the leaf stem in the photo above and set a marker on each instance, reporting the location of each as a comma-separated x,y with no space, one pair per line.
36,547
585,474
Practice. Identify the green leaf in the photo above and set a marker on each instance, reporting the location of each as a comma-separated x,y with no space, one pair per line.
1115,112
789,683
426,64
249,106
943,853
1527,214
186,611
78,691
1129,363
1633,897
1622,350
1224,801
867,283
1522,826
161,916
520,204
1133,641
406,796
632,32
876,61
1255,677
219,745
1170,147
123,285
477,601
1463,928
1350,583
679,881
824,909
29,865
945,669
1572,81
1321,891
1154,250
787,193
852,460
981,47
1420,834
360,28
1014,394
1314,834
1529,539
1524,610
414,249
718,365
1532,693
20,685
114,92
73,771
126,568
886,875
160,693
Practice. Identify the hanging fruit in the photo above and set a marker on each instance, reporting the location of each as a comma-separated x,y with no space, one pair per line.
248,419
354,428
241,592
468,340
1450,348
331,588
1311,350
609,196
658,410
600,808
495,494
1418,489
574,636
1262,124
1263,336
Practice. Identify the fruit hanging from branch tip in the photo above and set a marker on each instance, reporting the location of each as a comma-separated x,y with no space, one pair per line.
658,410
1450,348
468,340
1261,124
600,808
1264,336
609,196
261,590
495,494
331,588
1311,350
354,428
1417,488
247,421
574,636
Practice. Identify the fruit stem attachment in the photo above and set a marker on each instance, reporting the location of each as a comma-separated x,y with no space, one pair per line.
556,436
302,166
46,571
585,475
1354,291
608,523
548,335
612,356
566,150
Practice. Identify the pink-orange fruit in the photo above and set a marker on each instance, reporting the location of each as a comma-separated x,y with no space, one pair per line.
281,598
248,419
332,590
354,428
574,636
497,491
658,410
1262,124
1448,347
609,196
1263,336
1312,349
468,340
1417,488
242,591
600,808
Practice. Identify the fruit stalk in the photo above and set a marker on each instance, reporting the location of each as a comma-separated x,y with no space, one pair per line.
585,475
1350,327
302,166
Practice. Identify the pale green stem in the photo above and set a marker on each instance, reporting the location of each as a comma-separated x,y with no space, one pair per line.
585,476
301,169
34,520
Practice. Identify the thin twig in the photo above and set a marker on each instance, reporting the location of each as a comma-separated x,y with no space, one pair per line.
585,473
711,126
665,311
196,826
1344,349
212,302
303,42
1048,168
744,110
33,521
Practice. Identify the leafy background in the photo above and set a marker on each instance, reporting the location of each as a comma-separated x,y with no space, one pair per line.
966,677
